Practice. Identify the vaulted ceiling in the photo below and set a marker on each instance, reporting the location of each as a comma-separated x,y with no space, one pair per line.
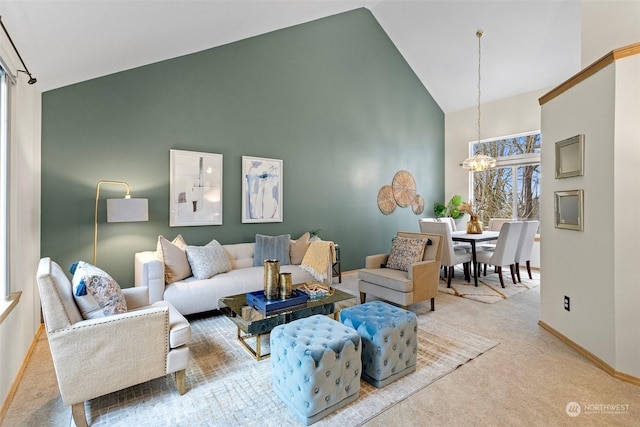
528,44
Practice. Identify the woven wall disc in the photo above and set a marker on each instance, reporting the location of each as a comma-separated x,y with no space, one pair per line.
404,188
386,202
417,204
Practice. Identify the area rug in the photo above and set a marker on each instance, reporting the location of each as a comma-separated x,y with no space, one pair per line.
227,387
489,289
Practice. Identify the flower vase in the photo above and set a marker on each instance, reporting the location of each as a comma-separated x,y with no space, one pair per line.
474,226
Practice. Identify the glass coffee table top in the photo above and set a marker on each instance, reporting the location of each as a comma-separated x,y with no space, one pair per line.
251,323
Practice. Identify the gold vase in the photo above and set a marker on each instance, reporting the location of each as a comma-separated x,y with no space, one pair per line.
271,278
474,226
285,285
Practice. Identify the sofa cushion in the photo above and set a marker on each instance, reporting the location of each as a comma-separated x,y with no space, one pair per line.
298,248
271,247
96,293
406,251
174,257
207,261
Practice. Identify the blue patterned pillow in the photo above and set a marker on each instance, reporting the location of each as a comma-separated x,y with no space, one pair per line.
207,261
96,293
406,251
271,247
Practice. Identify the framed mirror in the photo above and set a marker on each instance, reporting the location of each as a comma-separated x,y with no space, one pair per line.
568,209
570,157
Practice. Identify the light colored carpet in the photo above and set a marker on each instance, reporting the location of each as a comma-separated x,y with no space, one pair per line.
226,386
489,289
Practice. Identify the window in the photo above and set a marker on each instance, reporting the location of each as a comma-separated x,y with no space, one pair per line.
4,186
512,189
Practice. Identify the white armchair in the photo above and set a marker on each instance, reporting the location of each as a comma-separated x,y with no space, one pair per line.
99,356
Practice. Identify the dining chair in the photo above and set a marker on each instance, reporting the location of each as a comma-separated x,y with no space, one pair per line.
452,225
494,225
450,255
505,251
525,246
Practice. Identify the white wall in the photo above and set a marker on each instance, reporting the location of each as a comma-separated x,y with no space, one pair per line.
596,268
608,25
18,329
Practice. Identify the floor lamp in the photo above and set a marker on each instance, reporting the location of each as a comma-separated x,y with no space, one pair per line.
119,210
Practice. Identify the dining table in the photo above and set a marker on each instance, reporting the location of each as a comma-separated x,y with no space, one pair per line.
485,236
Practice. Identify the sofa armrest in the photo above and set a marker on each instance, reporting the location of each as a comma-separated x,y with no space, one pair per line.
375,261
149,271
425,276
136,297
112,353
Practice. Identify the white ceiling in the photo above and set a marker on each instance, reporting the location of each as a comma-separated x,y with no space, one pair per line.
528,44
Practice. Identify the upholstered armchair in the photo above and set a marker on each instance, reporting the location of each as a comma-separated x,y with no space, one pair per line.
98,356
418,283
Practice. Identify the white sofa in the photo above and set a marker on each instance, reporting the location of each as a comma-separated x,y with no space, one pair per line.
191,296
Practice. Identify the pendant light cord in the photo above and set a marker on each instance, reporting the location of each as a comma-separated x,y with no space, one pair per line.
479,33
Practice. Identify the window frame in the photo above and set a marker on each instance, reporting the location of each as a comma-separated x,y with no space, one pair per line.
513,162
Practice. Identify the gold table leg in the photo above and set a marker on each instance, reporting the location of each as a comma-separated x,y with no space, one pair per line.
257,354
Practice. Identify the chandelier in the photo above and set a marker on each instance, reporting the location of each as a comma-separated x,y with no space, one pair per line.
479,162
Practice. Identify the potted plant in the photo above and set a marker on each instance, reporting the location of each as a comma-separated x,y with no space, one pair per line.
452,209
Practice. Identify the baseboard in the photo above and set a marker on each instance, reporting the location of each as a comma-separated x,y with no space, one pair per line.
591,357
16,381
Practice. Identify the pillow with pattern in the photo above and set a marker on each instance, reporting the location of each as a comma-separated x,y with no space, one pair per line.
207,261
405,251
96,293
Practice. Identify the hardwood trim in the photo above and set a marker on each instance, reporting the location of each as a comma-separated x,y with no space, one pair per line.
16,381
9,304
591,357
609,58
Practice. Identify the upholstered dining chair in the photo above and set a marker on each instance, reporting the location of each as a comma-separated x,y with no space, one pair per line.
418,283
505,251
101,355
451,256
525,246
495,224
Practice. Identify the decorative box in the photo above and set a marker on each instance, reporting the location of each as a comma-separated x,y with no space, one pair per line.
258,301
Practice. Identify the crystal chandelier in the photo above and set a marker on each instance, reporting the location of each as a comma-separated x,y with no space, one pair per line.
479,162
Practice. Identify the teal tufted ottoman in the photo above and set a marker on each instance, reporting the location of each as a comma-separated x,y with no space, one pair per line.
315,366
389,340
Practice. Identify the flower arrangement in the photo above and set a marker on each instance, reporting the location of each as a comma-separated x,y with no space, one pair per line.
473,226
466,207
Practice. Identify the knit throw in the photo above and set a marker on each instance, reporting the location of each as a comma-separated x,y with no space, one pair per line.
316,261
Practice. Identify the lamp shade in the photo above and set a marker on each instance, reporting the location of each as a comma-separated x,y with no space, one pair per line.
127,210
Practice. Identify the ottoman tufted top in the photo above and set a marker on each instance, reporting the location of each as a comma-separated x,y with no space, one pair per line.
375,315
312,336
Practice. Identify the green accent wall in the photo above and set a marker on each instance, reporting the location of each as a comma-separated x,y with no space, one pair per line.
332,98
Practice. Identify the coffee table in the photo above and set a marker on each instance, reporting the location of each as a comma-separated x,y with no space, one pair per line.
253,324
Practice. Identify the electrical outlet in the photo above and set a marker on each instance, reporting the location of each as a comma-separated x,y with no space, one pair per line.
567,303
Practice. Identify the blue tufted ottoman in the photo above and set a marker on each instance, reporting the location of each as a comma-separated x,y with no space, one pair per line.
389,340
315,366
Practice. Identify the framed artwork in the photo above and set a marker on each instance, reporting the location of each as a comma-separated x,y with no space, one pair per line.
261,189
568,209
195,188
570,157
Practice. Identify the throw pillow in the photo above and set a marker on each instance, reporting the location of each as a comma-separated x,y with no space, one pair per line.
96,293
207,261
174,257
271,247
299,248
405,251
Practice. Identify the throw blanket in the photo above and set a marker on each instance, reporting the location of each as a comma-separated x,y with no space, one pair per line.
316,261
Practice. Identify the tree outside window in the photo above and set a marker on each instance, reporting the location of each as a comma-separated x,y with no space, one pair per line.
512,188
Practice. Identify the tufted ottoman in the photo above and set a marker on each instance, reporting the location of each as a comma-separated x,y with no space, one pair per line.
389,340
315,366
